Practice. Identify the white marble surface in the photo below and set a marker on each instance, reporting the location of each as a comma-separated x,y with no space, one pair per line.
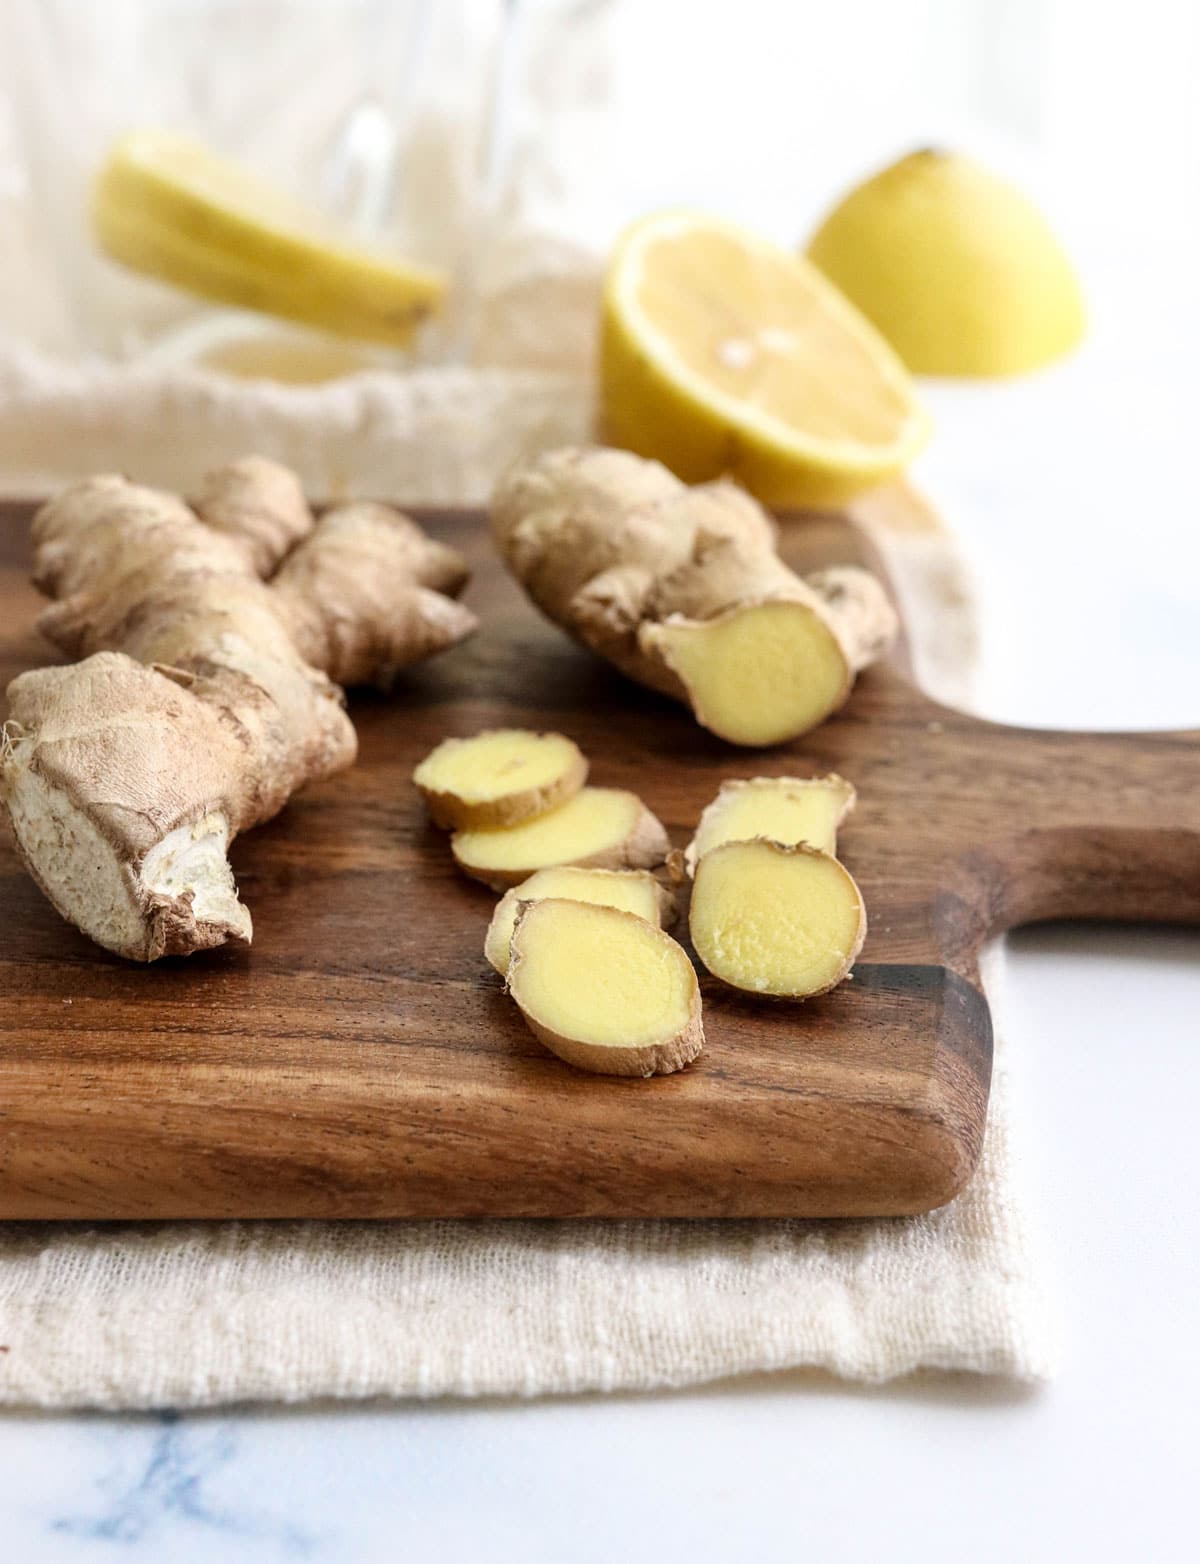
1073,491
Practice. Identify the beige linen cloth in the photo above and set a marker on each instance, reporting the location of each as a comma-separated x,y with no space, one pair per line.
191,1314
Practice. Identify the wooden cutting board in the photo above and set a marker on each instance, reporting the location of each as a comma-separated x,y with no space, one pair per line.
360,1060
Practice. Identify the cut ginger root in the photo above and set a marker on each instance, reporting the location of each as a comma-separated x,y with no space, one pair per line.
603,989
600,828
630,890
774,920
683,590
782,809
499,778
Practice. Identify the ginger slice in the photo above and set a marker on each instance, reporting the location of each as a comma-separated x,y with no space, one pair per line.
631,890
755,675
603,989
783,809
770,919
499,777
600,828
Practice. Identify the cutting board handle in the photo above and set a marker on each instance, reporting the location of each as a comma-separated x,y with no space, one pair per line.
1128,874
1094,826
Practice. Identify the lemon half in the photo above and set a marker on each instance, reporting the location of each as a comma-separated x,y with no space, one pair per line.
722,354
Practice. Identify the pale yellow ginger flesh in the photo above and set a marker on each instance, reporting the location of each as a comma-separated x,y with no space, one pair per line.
600,828
757,675
212,643
631,890
499,778
683,589
783,809
605,990
783,921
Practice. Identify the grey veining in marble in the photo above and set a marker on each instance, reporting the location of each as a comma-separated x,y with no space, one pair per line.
174,1490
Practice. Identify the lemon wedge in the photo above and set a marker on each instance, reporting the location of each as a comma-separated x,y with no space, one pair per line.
957,268
169,208
722,354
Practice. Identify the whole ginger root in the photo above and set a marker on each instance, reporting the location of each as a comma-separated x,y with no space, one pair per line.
682,589
206,695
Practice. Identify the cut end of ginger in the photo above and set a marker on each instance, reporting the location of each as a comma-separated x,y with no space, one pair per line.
782,809
600,828
499,778
605,990
758,674
773,920
630,890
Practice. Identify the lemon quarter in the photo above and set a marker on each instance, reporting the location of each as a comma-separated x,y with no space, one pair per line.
721,353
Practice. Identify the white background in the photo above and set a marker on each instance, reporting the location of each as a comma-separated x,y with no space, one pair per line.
1075,494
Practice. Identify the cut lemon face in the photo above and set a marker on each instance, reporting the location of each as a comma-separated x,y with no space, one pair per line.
167,207
722,354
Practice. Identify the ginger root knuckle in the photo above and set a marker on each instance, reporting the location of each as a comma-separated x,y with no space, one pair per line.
864,617
603,989
368,594
259,502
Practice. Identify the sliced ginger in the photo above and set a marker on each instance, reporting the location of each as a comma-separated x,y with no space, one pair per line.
499,778
783,809
600,828
770,919
605,990
631,890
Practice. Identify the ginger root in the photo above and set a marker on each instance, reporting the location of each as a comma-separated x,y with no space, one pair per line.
682,589
783,809
499,777
368,594
770,919
631,890
600,828
205,697
603,989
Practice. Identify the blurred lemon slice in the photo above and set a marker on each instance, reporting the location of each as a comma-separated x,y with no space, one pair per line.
724,354
958,270
169,208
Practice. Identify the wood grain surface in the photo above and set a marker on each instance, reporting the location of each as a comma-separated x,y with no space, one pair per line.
360,1059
